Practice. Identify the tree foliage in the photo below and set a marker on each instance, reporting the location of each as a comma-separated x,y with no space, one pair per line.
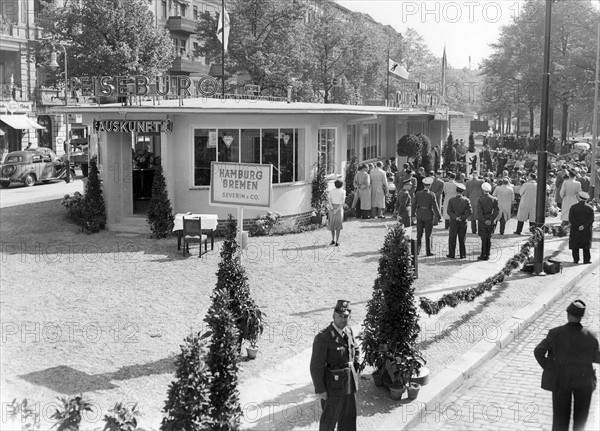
106,37
160,214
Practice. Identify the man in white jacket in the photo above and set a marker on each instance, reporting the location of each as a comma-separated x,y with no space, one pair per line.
506,197
527,204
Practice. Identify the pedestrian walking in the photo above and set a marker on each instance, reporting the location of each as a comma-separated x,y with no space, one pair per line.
334,370
379,189
459,210
403,203
528,192
581,217
449,193
566,355
335,205
427,213
473,193
506,196
363,191
487,211
569,190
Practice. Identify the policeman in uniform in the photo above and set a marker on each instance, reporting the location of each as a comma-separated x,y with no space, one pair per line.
334,371
403,203
487,211
425,209
459,210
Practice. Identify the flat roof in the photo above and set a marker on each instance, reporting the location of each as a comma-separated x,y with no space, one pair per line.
241,106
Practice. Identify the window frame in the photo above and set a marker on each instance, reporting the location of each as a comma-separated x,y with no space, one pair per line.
330,164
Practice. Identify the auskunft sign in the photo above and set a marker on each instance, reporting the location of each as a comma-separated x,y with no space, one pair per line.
240,184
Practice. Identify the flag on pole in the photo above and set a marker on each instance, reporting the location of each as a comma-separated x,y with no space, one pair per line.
396,70
220,32
444,67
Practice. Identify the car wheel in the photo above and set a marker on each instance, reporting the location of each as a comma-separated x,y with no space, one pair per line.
4,184
29,180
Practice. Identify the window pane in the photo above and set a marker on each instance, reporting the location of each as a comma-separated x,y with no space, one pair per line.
231,153
287,156
331,151
250,142
203,156
270,151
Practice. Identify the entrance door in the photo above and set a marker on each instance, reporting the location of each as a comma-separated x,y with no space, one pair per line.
145,159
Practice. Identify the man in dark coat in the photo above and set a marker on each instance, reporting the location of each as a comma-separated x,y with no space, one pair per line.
403,204
566,355
581,218
459,210
334,371
427,213
437,187
487,211
473,193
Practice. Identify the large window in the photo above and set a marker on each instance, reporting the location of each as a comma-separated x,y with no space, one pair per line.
371,141
326,148
351,142
278,147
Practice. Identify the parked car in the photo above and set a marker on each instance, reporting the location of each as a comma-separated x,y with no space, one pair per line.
80,157
32,165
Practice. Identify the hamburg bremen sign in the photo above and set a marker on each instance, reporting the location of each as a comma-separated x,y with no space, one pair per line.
240,184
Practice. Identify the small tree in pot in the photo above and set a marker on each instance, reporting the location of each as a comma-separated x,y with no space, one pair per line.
319,191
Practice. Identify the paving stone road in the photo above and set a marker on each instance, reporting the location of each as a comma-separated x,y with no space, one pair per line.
505,393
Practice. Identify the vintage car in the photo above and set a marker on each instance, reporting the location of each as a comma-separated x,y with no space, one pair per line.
32,165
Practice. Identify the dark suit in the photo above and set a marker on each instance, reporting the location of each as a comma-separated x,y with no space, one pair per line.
581,214
487,211
474,192
459,210
425,209
566,355
333,368
403,207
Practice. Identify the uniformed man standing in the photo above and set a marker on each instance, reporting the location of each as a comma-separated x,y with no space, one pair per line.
437,187
334,371
427,213
403,205
487,211
459,210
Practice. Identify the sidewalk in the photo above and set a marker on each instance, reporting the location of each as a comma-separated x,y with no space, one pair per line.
456,342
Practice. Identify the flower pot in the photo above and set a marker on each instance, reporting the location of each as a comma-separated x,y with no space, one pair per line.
413,390
252,352
422,378
396,393
378,379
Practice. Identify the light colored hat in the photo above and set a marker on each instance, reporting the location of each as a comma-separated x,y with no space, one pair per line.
461,187
486,187
583,196
428,181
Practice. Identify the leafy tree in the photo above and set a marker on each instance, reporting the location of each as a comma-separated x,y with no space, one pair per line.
351,170
319,188
188,405
160,214
106,37
449,153
94,209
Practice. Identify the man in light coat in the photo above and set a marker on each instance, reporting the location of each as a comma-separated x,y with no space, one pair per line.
363,191
506,197
527,203
379,190
569,191
473,192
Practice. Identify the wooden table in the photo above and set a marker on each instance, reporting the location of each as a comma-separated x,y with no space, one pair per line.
209,223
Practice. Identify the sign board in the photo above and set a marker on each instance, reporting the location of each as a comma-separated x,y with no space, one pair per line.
14,107
240,184
133,126
75,118
212,139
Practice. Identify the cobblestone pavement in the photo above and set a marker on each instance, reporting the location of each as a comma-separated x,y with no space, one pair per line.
505,393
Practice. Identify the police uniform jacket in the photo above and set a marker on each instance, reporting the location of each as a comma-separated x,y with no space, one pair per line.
581,214
566,355
334,362
425,206
487,208
459,207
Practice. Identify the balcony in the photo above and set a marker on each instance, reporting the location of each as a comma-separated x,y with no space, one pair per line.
179,24
186,65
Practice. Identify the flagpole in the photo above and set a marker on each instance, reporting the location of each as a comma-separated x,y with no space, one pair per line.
223,48
387,89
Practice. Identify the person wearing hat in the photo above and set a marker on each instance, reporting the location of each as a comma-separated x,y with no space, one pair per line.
334,366
568,191
473,192
487,212
403,203
566,356
437,187
379,190
561,176
459,210
427,213
526,211
581,218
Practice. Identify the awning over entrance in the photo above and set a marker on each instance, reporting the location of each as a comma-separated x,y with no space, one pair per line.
20,122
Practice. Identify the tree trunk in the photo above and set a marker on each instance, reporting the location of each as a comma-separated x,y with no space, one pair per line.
564,122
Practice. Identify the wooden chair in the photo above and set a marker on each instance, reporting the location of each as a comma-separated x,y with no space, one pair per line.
192,233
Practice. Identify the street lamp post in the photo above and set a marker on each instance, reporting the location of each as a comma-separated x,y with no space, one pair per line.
593,166
540,210
54,66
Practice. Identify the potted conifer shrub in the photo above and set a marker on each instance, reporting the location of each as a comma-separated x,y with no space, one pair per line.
319,193
253,326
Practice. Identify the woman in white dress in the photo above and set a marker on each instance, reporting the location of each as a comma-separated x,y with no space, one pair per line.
335,204
569,191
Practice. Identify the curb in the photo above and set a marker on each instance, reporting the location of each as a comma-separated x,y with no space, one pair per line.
455,374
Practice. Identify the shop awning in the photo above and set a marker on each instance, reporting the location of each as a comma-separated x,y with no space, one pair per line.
20,122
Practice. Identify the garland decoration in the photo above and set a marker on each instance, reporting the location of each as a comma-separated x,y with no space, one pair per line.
469,294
